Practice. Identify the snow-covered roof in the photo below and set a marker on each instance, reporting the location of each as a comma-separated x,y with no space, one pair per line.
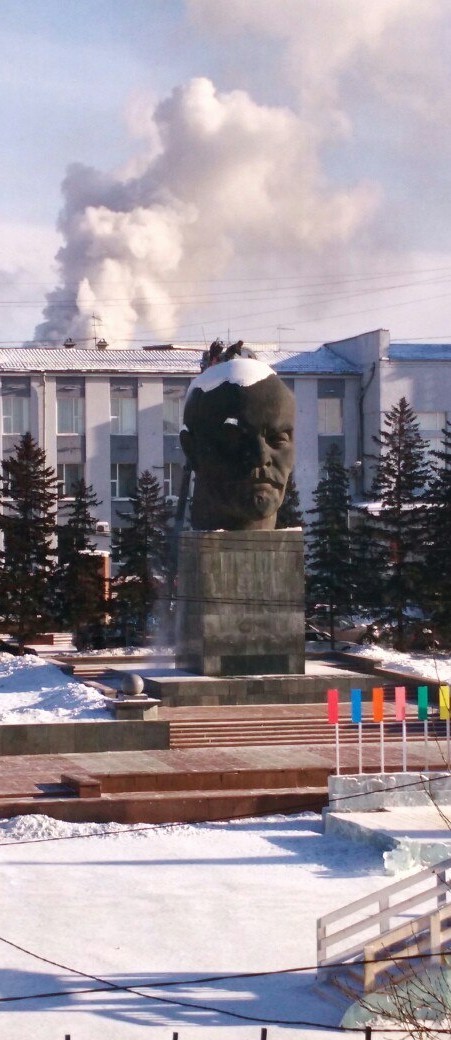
161,361
420,352
323,361
77,359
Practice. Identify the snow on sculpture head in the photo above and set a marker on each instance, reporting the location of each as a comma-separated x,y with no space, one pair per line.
238,437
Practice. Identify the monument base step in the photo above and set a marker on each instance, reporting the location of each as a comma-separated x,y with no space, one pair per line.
175,689
170,807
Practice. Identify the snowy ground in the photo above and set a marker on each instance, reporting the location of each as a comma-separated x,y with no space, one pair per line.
108,932
102,935
33,690
436,666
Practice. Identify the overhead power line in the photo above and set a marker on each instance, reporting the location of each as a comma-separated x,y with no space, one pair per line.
107,986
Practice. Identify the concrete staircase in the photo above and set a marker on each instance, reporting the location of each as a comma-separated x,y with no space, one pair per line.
210,730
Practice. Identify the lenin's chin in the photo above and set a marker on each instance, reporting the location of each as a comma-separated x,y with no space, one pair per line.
253,503
264,502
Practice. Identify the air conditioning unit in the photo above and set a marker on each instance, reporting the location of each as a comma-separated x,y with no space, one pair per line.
102,527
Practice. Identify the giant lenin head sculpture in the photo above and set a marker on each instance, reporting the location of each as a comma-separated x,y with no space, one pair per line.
238,437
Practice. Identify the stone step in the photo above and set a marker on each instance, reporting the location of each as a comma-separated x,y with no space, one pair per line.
186,733
159,783
195,806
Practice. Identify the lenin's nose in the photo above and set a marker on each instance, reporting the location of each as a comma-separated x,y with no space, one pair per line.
261,455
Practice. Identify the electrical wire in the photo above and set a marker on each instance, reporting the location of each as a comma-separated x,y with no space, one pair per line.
107,986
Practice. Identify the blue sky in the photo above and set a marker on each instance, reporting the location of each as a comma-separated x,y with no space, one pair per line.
263,168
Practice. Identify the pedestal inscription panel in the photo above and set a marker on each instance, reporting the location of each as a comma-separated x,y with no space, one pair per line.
240,602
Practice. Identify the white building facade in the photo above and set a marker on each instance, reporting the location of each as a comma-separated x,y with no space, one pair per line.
107,415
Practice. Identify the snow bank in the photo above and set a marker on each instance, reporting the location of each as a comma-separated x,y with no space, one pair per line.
436,666
33,690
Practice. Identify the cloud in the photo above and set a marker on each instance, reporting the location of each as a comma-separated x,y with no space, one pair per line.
229,182
349,177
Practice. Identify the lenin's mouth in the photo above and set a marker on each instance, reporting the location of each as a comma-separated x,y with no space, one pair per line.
265,482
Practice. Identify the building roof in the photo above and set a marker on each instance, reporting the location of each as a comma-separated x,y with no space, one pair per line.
420,352
323,361
160,361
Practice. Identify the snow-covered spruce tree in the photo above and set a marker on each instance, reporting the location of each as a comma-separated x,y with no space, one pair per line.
140,548
290,512
28,524
399,486
328,556
81,592
437,572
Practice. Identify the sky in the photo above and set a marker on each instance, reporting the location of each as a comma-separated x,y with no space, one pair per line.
271,170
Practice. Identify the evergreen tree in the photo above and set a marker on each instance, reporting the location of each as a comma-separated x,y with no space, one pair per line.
437,572
80,581
141,550
290,513
28,524
367,560
399,486
328,555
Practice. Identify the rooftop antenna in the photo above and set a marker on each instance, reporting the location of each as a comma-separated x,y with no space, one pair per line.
95,321
283,328
101,344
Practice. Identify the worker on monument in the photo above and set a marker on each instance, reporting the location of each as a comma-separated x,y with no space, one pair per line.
238,438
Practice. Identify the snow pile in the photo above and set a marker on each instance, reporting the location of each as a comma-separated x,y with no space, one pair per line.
435,666
122,651
45,828
32,690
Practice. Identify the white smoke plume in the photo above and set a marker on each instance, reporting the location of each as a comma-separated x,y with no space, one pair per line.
224,186
232,181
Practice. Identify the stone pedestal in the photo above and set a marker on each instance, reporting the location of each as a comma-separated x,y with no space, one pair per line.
140,706
240,603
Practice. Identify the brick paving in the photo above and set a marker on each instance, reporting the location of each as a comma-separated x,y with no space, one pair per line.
213,782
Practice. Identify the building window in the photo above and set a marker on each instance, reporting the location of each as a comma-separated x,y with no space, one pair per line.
70,414
16,414
123,479
69,474
123,414
123,407
431,425
330,416
172,479
174,394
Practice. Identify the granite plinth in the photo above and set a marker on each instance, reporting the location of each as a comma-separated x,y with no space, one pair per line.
139,706
175,690
240,603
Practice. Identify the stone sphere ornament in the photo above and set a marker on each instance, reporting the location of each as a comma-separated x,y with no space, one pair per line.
132,685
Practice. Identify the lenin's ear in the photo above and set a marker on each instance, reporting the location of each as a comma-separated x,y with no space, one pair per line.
187,442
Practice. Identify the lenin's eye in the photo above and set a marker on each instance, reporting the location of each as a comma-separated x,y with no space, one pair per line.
279,438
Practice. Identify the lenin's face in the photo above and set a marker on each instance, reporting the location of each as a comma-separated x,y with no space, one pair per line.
240,443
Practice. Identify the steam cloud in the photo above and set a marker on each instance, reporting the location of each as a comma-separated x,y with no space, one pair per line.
225,184
231,180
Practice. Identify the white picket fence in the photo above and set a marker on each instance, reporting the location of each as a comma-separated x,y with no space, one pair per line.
365,930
